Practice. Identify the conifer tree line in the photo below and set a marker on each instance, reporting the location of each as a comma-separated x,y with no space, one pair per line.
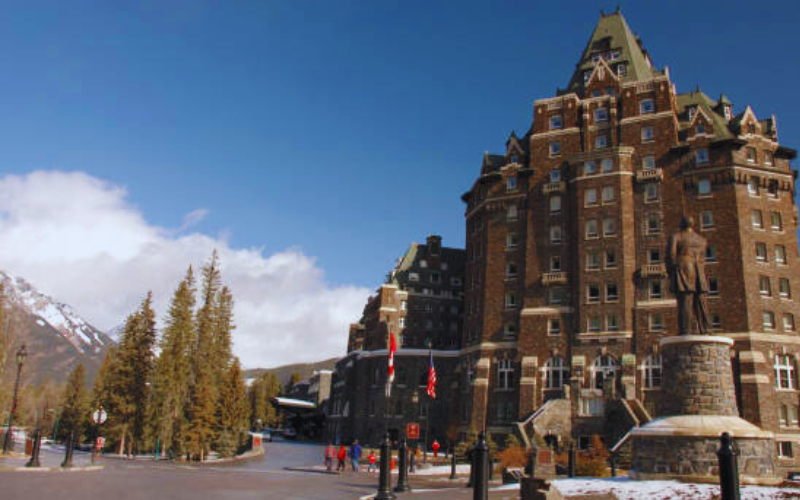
189,399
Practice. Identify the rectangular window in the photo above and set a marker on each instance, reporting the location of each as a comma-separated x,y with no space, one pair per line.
556,296
647,106
511,270
700,128
601,141
593,293
511,183
785,288
607,165
435,278
555,263
611,259
555,176
509,331
704,187
768,158
788,322
555,234
592,261
784,449
555,204
612,294
764,286
590,197
556,122
608,194
511,240
413,277
511,214
609,227
713,287
768,320
706,219
656,322
601,115
656,290
711,253
654,256
505,372
511,300
612,323
554,326
701,155
653,224
761,252
648,134
716,321
622,70
591,228
753,184
757,219
791,419
776,221
649,162
589,168
751,155
594,324
651,192
780,254
555,149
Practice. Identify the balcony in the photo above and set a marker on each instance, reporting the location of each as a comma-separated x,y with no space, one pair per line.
653,270
650,175
554,187
555,278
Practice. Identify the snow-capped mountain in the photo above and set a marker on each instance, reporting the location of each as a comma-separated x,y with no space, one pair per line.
58,337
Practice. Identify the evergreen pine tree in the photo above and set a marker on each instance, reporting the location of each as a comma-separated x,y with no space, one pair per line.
201,422
232,411
223,326
142,361
3,330
75,411
295,378
173,369
263,388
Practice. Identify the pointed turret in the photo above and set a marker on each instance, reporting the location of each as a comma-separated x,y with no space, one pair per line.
612,41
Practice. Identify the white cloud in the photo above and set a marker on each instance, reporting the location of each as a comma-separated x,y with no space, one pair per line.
80,240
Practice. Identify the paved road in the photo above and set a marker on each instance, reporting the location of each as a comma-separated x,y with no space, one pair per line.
263,478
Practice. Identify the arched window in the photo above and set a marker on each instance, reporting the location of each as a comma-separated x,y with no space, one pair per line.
784,371
651,371
603,368
555,372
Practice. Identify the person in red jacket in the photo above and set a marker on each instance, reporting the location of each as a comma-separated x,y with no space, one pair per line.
435,447
371,459
330,452
341,456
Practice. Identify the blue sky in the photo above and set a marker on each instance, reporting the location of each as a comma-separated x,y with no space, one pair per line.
348,129
336,131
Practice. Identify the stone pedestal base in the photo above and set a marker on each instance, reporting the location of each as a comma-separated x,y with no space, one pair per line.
685,447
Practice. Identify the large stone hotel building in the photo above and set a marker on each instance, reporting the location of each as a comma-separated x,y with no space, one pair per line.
565,289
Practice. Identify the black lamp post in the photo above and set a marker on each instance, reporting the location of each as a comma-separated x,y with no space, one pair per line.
22,353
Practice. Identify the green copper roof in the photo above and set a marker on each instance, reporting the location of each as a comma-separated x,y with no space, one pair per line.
708,105
613,33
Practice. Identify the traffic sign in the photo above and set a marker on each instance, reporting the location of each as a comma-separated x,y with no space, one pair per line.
412,430
99,416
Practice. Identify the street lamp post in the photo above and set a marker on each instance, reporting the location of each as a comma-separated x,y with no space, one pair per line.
22,353
415,403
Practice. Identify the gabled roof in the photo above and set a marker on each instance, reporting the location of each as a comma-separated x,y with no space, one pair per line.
708,106
612,32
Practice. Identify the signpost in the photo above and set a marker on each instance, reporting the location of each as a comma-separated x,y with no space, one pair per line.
98,417
412,430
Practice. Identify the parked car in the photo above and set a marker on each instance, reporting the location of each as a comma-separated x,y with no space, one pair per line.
290,433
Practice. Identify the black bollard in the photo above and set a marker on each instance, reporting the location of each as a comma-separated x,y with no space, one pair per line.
37,441
412,461
571,464
471,460
530,469
68,454
491,469
480,488
402,480
453,465
613,459
385,481
728,469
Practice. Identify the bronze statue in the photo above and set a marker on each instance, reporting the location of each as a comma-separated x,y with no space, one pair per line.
686,259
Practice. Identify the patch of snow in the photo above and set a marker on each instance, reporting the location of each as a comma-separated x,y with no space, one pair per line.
40,322
441,470
625,488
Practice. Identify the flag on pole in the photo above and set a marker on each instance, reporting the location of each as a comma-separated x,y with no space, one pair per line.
392,349
431,390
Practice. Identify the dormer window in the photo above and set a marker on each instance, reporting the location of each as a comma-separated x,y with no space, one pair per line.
613,55
726,110
601,115
596,58
586,75
556,122
692,112
622,70
511,183
514,158
701,156
751,128
701,128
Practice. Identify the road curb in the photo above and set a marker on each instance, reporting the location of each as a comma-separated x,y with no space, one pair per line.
78,468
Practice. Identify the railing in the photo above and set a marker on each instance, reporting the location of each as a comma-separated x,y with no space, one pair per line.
645,87
653,270
555,105
554,278
650,174
554,187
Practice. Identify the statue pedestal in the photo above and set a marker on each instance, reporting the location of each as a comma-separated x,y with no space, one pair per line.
700,404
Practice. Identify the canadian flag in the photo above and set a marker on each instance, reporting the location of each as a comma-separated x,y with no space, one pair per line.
392,350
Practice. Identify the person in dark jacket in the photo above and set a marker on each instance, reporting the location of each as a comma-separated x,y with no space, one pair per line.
355,455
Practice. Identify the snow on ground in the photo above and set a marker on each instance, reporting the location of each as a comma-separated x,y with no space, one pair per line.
441,470
625,488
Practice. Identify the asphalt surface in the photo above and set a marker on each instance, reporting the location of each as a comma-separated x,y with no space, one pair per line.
264,477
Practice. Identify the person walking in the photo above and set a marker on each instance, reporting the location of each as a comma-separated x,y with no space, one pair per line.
355,455
371,458
341,456
330,452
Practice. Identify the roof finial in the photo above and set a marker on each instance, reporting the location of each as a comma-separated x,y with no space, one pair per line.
602,13
617,9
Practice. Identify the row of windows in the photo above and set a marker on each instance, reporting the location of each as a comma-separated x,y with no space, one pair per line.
765,287
762,253
424,264
775,219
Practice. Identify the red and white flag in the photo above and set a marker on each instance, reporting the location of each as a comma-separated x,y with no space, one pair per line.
431,390
392,350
